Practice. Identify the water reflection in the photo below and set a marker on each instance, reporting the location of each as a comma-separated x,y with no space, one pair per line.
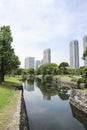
29,85
48,107
48,89
80,116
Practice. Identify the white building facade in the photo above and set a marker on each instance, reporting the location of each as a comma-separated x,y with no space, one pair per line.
47,56
74,54
29,62
38,64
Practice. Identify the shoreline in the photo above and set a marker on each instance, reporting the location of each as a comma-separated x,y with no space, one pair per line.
24,121
64,80
67,81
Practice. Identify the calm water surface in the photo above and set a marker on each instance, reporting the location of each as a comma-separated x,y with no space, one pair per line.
48,108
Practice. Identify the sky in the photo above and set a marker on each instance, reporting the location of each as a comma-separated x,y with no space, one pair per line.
40,24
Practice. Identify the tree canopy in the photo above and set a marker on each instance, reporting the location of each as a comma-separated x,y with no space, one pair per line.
30,71
63,67
8,60
48,68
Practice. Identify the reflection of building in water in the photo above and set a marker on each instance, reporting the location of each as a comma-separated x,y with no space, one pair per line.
47,97
28,87
80,116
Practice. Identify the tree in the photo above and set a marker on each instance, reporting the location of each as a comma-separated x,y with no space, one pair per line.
75,71
84,54
30,71
19,71
83,71
8,60
63,67
48,69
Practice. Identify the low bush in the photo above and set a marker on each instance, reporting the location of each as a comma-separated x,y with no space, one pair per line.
78,80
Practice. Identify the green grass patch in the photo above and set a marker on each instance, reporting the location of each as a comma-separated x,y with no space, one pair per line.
8,100
13,81
7,91
5,96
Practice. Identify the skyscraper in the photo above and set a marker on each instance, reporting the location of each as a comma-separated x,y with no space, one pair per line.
38,63
47,56
29,62
74,54
84,47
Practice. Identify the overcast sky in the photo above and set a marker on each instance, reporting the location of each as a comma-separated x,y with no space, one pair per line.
40,24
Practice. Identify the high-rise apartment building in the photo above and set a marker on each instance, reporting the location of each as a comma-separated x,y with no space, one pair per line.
74,54
29,62
38,64
47,56
84,47
41,62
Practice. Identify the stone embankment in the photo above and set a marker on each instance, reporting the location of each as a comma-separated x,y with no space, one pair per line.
24,122
79,100
66,81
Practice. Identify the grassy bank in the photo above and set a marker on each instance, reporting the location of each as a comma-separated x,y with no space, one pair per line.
13,81
8,101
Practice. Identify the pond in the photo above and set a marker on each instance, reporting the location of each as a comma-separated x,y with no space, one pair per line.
48,107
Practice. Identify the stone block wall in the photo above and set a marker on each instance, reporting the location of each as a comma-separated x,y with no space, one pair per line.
79,100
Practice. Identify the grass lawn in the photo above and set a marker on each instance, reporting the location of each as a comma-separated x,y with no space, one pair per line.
13,81
8,101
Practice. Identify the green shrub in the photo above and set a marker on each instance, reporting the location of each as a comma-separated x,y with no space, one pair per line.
78,80
48,77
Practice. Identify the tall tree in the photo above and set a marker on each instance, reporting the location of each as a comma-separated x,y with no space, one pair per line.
7,56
